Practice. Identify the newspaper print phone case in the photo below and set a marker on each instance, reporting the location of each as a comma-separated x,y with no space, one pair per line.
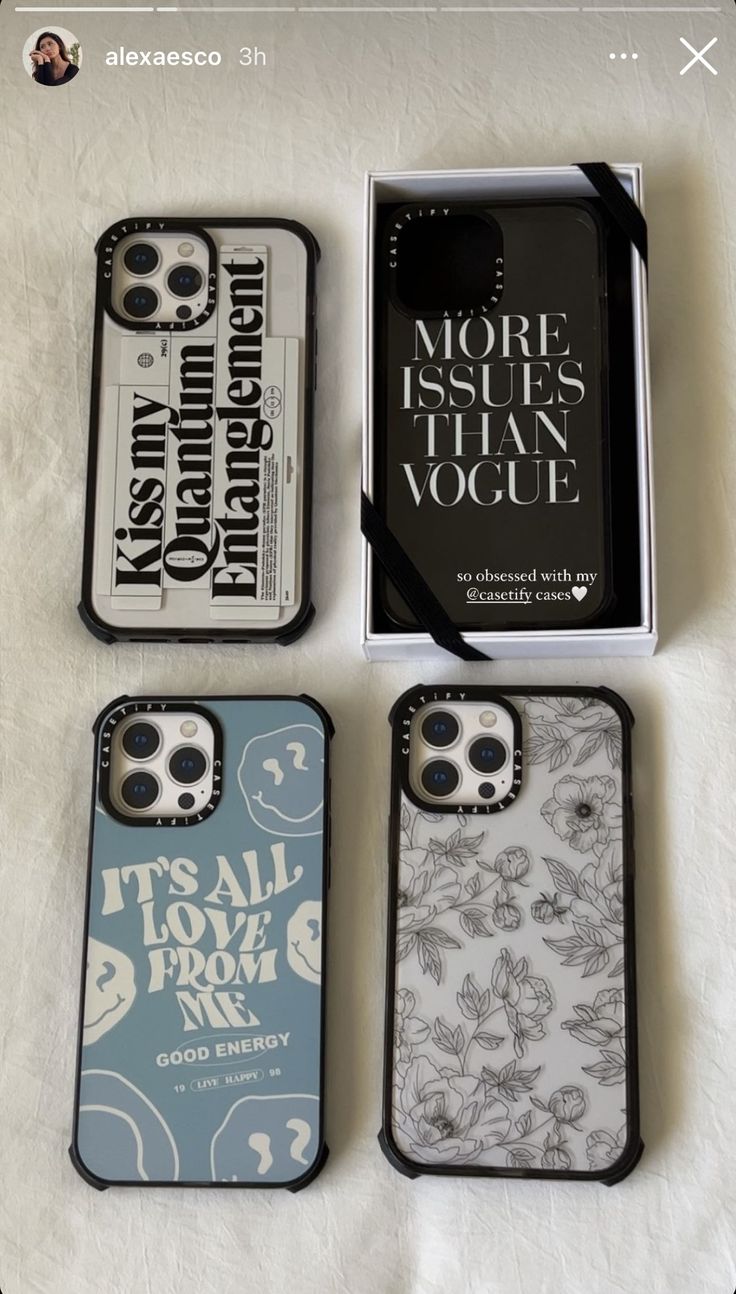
510,1010
201,1043
199,475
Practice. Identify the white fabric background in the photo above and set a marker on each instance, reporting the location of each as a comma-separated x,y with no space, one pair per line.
345,93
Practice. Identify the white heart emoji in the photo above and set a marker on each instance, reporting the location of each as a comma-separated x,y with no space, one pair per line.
579,591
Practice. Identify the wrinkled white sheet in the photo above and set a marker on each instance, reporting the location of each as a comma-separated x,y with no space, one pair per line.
344,93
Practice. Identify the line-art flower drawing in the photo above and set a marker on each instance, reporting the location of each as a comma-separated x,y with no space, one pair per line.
408,1028
512,863
449,878
449,1118
526,998
603,1148
450,1113
548,908
446,890
565,728
596,909
583,811
424,890
601,1024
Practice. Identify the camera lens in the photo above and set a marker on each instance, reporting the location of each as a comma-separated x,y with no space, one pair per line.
439,778
141,740
440,728
139,790
184,281
140,302
188,765
140,258
487,754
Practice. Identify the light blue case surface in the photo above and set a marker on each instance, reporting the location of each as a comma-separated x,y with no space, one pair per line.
201,1049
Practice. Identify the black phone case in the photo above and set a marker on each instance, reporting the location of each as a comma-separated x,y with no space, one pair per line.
303,612
511,1033
492,446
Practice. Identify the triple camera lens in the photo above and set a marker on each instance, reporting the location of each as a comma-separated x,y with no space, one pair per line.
142,301
141,789
485,755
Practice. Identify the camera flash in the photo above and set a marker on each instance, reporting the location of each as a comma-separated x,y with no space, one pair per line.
188,728
186,249
489,719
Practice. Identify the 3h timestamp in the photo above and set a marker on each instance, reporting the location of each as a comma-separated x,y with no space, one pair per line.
252,56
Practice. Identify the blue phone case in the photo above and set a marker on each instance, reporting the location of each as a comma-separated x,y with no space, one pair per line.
201,1037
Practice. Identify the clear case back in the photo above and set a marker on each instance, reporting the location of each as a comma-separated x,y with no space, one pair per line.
199,475
511,1015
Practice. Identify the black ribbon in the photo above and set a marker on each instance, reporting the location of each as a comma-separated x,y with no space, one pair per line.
618,203
412,586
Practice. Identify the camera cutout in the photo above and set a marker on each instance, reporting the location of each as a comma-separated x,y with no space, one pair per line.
464,753
445,260
160,277
160,764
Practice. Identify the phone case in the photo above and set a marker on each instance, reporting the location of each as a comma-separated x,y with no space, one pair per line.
219,1082
492,422
198,513
510,1043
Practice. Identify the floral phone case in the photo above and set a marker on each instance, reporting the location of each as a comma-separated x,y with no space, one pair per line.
510,1011
201,1037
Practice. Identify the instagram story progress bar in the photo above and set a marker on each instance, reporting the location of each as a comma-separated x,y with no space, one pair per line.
546,10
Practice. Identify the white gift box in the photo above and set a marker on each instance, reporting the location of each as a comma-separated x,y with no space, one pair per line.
492,185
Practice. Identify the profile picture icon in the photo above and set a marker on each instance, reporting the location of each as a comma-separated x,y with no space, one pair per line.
52,57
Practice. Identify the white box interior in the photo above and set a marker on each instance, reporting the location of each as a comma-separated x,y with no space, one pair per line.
564,181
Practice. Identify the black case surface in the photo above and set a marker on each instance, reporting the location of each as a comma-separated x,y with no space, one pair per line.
492,444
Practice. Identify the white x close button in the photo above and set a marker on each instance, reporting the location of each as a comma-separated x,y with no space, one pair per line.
698,56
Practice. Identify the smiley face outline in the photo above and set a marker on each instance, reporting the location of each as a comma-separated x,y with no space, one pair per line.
107,1012
287,824
297,1143
302,952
